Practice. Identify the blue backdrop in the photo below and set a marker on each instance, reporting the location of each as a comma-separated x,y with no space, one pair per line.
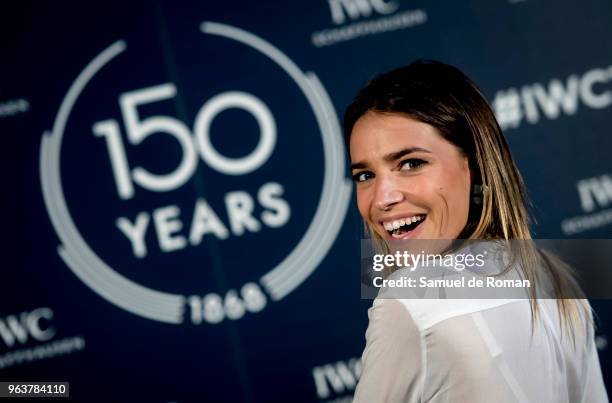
179,224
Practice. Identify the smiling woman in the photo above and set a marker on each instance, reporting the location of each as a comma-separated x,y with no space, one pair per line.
403,161
429,162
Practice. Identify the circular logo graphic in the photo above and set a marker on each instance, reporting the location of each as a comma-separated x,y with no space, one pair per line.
171,307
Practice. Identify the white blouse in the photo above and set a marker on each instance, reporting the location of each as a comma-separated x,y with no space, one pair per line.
475,351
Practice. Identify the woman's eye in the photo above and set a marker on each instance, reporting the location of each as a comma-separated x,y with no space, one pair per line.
362,176
411,164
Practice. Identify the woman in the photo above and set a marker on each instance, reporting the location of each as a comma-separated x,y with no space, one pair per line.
430,162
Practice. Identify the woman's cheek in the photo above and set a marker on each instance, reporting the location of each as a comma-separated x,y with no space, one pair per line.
364,202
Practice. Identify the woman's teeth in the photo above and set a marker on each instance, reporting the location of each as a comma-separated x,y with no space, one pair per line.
403,224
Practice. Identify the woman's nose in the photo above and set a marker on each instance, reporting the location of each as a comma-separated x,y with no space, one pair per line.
387,193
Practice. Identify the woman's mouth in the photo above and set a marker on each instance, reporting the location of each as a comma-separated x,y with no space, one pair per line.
403,227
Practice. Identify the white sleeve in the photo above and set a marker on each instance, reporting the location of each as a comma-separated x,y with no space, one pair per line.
392,360
594,388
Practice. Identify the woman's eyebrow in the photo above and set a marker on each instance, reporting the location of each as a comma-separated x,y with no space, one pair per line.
405,151
358,165
391,156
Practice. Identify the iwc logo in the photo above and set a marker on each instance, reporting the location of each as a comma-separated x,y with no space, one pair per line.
153,210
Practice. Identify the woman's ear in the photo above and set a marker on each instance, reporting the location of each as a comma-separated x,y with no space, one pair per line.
471,168
476,187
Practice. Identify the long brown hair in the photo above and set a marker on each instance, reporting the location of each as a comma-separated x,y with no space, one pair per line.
442,96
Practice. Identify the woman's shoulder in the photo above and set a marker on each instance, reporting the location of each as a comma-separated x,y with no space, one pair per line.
426,313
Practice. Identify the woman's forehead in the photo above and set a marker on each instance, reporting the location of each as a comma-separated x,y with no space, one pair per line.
377,134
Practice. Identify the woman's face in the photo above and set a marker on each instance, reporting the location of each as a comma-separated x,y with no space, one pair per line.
411,183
